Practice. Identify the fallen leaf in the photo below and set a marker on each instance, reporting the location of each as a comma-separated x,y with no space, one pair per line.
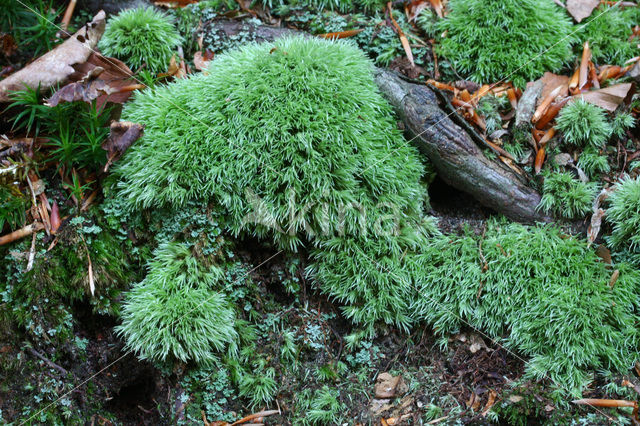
437,6
55,218
539,160
116,75
387,385
55,66
581,9
403,38
490,402
614,278
584,66
608,98
122,135
414,8
594,226
604,253
544,105
605,402
174,4
201,59
86,90
9,45
549,82
175,70
340,34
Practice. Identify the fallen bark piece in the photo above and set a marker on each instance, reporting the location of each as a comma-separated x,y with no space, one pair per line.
458,160
21,233
527,105
55,66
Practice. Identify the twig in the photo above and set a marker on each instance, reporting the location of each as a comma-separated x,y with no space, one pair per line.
255,416
68,14
32,253
21,233
48,361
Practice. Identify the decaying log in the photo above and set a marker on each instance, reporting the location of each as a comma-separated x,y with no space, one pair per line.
457,158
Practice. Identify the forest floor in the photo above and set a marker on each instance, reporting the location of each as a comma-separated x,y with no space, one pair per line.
61,362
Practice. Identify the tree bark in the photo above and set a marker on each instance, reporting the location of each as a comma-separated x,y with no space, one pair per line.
457,158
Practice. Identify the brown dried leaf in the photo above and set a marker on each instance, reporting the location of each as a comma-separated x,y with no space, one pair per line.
403,38
594,226
8,44
437,6
414,9
123,134
176,70
581,9
584,65
341,34
201,59
56,66
608,98
114,85
549,82
386,385
85,90
539,160
174,4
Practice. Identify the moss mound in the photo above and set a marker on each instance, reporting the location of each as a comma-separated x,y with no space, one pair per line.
547,295
141,36
176,312
516,40
292,138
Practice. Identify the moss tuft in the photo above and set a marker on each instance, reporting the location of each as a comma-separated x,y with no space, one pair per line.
176,312
516,40
546,294
608,30
141,36
565,196
624,214
583,123
302,150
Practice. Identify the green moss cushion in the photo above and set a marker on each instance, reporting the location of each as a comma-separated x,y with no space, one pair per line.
292,138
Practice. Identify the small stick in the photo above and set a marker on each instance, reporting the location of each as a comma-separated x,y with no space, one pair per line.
255,416
21,233
66,19
48,361
32,253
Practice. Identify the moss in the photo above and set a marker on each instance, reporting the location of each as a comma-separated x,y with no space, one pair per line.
141,36
516,40
593,162
299,152
40,300
608,30
566,196
374,277
176,312
546,294
624,214
582,123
